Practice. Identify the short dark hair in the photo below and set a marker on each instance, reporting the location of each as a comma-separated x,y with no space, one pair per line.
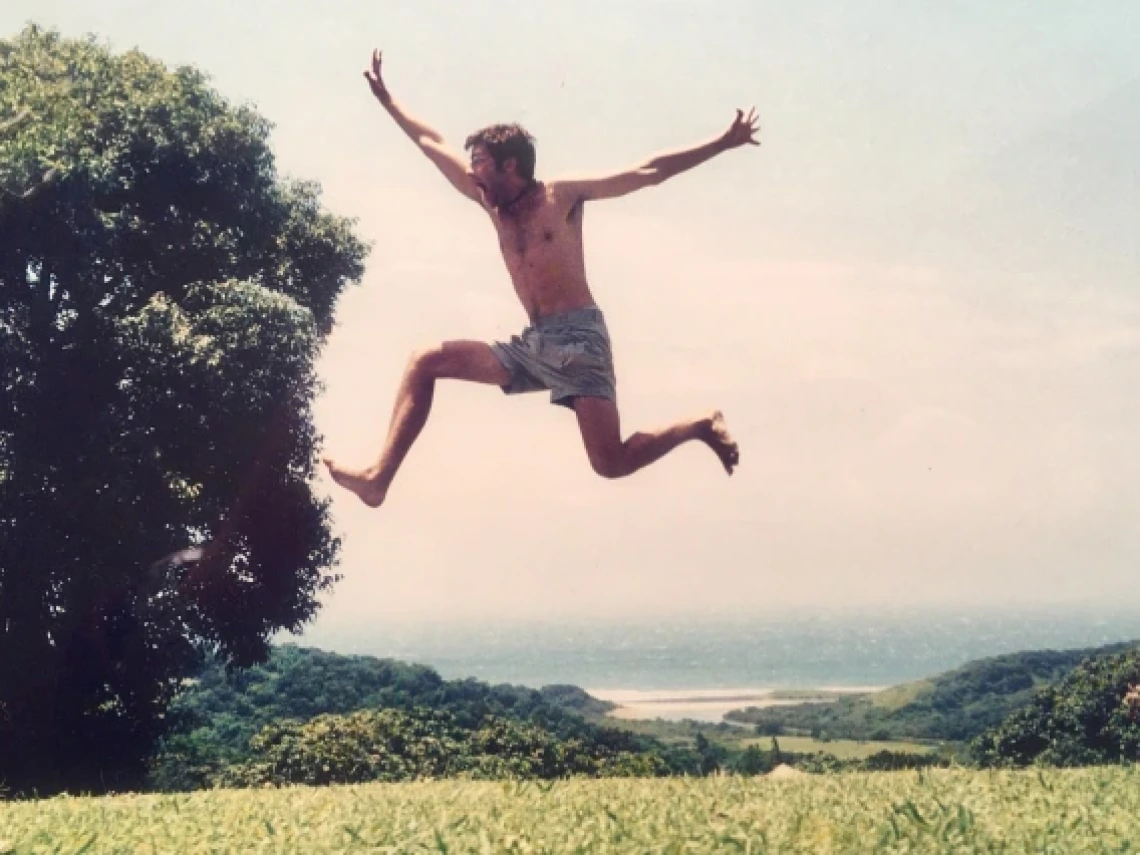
506,141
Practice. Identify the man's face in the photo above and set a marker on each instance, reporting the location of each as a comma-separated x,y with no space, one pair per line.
488,178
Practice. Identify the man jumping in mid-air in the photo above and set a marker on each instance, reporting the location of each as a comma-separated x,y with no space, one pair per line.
566,349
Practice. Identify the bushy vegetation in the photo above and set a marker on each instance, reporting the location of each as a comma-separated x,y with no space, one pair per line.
1090,717
229,719
880,761
394,745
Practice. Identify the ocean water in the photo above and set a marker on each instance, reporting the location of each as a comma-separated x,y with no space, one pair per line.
837,649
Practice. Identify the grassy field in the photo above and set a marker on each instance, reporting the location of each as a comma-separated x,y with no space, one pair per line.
844,749
1063,812
671,732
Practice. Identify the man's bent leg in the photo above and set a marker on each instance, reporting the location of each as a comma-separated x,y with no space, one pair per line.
459,360
611,457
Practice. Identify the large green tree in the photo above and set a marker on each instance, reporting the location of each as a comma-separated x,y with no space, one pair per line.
163,296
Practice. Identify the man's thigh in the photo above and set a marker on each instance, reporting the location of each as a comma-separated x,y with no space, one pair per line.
468,360
600,423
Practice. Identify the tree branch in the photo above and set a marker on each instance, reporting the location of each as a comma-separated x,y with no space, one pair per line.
7,124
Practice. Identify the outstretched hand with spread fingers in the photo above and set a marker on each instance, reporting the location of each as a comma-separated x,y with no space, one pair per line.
372,75
743,130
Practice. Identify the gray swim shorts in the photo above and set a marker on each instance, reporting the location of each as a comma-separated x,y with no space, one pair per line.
568,353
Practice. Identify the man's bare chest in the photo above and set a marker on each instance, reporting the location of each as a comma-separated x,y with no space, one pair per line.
545,231
540,226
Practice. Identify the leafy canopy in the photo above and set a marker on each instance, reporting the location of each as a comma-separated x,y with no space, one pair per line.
164,295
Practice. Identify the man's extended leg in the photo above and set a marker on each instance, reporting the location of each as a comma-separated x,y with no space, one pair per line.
458,360
612,457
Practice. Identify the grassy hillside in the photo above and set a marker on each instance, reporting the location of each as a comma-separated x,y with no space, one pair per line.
299,683
226,709
957,705
1057,811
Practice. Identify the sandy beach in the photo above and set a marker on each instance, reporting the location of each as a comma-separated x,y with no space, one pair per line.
702,704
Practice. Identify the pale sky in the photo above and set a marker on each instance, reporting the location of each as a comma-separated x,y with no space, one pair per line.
916,303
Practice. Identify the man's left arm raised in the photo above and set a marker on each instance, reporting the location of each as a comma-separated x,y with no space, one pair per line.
663,166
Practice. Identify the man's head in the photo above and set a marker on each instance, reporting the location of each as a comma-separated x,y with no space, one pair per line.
502,157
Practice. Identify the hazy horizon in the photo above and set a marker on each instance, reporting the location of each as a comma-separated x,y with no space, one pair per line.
687,653
916,303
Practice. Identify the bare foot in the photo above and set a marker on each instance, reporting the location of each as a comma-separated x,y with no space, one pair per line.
363,482
716,436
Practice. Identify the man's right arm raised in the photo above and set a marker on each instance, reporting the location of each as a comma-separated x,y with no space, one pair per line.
428,139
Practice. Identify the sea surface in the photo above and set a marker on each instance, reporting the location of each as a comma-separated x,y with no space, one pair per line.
686,659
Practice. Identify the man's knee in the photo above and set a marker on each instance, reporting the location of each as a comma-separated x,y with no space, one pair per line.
459,360
428,363
609,463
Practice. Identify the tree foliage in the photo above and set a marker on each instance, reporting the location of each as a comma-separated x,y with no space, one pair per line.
163,296
1091,717
401,745
221,714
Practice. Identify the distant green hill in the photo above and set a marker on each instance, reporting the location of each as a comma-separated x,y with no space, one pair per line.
301,683
1089,718
576,699
219,713
957,705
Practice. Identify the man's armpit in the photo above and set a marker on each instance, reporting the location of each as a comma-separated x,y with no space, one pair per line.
569,197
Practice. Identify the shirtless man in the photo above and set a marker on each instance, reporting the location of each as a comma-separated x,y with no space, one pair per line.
566,349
